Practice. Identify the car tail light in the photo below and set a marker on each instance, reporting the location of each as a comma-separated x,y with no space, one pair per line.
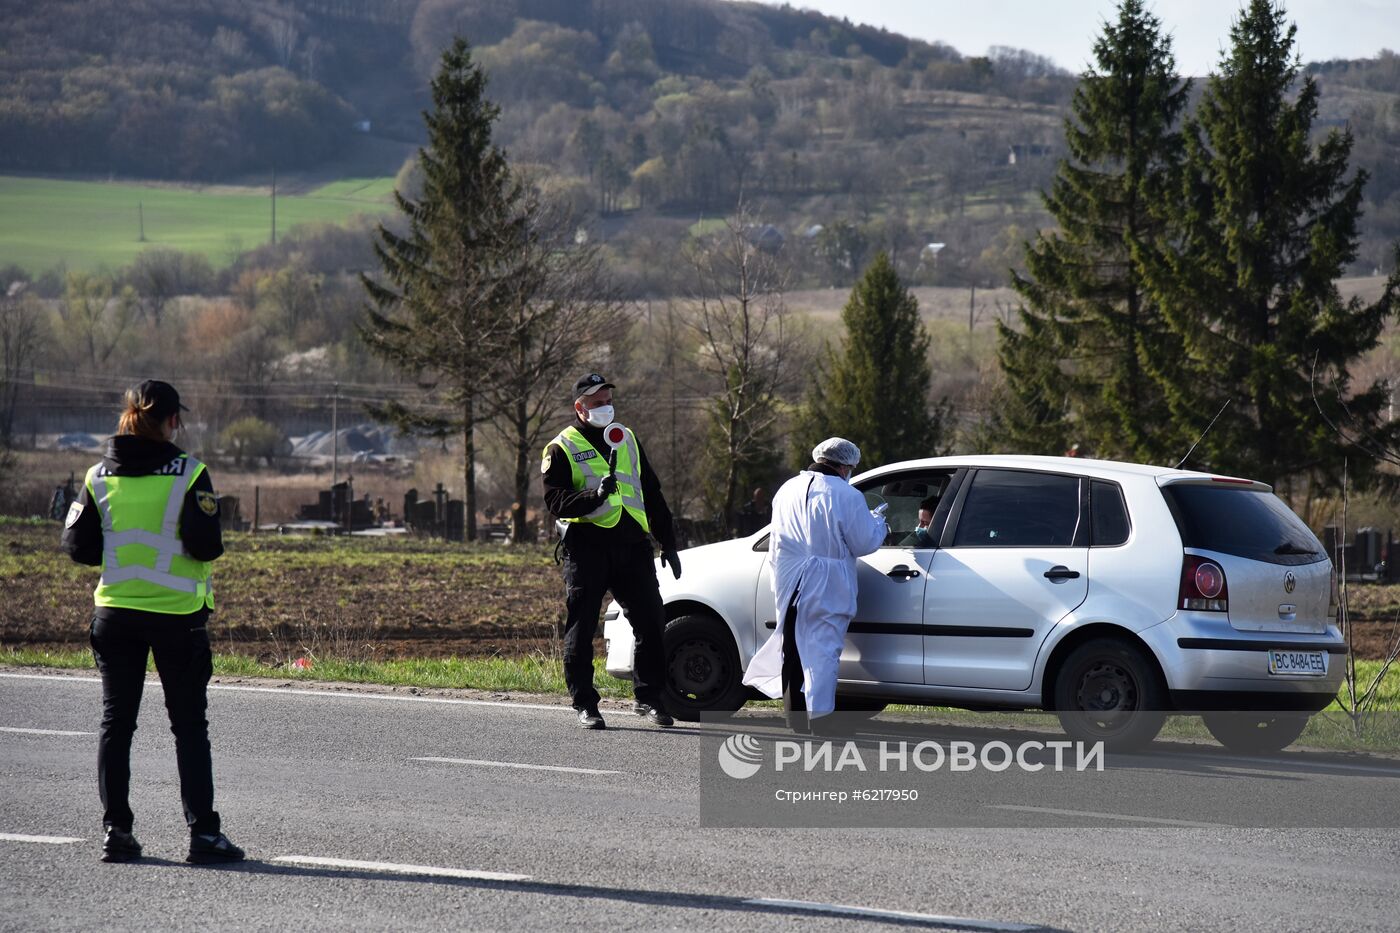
1203,586
1333,598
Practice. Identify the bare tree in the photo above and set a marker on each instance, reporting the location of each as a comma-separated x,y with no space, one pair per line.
283,35
22,334
564,308
160,275
665,397
1360,696
747,349
94,318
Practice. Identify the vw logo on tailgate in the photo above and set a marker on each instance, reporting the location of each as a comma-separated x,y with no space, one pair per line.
1289,581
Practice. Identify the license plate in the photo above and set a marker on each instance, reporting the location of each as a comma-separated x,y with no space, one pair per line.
1297,662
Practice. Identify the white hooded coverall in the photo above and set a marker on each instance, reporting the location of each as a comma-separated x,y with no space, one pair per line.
820,526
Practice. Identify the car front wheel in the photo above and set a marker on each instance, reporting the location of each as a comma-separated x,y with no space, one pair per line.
1109,691
702,668
1255,733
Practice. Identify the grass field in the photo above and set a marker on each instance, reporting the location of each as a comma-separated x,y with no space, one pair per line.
536,673
88,224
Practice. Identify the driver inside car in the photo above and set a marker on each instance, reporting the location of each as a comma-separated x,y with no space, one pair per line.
921,536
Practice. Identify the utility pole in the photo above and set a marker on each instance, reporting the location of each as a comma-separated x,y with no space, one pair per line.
972,309
335,436
274,205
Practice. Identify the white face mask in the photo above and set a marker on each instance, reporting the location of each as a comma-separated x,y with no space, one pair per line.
600,417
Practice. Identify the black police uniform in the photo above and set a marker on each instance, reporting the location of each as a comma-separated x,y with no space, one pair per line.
620,559
122,638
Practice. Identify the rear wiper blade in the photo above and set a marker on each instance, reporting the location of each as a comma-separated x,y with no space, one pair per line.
1289,547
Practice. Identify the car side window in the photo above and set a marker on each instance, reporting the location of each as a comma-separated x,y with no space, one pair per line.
1109,514
1014,508
907,495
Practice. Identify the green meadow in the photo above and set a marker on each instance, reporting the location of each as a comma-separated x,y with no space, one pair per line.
90,224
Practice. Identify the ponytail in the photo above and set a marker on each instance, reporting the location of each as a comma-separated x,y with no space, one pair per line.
139,418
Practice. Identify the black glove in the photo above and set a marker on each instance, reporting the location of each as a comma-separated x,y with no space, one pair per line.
608,486
672,560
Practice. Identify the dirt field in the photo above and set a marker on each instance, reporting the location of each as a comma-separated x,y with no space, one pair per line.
279,597
368,598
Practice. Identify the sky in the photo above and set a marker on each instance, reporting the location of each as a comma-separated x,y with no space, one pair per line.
1064,30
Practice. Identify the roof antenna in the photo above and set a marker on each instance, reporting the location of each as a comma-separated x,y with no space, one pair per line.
1204,433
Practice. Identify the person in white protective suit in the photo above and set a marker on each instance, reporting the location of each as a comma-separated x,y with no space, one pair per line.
820,526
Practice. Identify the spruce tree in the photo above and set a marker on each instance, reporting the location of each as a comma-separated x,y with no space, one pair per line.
443,299
1075,368
1268,224
1030,413
875,391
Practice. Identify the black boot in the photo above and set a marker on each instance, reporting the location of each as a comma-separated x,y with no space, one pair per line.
653,714
119,845
590,718
208,849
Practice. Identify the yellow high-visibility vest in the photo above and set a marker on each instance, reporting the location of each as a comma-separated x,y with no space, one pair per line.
588,467
144,565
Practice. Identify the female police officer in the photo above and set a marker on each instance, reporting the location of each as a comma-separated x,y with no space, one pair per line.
148,516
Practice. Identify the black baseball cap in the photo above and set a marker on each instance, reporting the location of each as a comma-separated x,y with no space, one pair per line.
591,383
159,397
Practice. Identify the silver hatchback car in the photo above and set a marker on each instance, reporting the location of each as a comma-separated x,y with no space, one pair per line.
1111,593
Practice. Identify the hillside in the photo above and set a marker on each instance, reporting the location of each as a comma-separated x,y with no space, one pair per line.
647,115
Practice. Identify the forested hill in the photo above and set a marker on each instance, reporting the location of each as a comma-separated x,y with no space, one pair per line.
204,89
643,109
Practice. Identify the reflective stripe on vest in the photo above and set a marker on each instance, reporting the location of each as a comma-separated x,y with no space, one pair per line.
588,473
166,543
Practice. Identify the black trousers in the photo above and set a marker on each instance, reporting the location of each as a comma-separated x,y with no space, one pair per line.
121,641
794,700
628,571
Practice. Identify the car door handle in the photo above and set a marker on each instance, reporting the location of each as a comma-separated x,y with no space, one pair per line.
902,572
1061,573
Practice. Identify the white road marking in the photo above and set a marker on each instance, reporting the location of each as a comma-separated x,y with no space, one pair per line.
65,677
51,840
514,764
1093,814
395,869
332,694
42,731
846,910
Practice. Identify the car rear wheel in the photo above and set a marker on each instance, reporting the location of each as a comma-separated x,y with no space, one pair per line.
1256,733
1109,691
702,668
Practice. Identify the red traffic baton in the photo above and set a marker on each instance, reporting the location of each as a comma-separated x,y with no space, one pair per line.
615,435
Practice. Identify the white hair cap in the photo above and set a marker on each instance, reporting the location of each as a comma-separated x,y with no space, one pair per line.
837,450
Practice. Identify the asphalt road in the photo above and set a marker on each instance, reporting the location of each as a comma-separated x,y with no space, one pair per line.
348,826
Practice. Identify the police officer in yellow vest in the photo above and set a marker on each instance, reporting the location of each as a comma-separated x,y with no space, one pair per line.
148,516
608,518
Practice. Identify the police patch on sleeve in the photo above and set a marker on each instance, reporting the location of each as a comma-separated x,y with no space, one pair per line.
208,502
75,512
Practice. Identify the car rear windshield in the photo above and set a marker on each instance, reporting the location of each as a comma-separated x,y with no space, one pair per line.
1250,523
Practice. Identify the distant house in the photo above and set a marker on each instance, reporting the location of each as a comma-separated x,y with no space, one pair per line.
361,126
1019,152
766,237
